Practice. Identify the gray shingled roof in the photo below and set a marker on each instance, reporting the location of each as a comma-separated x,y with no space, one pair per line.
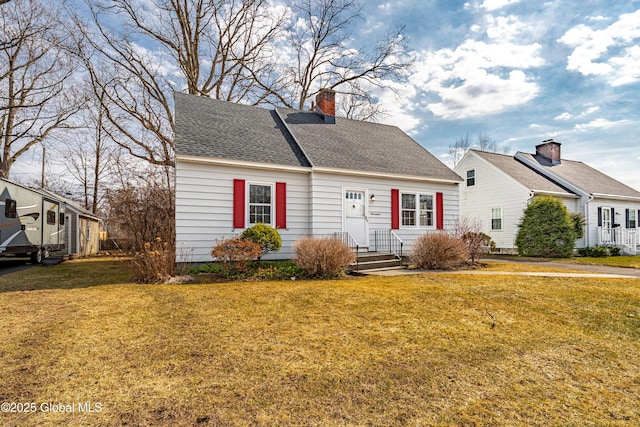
210,128
207,127
585,177
364,146
521,173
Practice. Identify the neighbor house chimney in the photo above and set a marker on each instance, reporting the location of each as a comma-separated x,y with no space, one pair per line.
550,150
326,105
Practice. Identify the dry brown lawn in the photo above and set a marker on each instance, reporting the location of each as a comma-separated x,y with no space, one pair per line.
406,351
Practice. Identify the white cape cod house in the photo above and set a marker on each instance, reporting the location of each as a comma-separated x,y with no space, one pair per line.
307,173
498,187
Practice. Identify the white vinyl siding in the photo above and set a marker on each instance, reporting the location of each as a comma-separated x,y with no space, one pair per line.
326,207
204,207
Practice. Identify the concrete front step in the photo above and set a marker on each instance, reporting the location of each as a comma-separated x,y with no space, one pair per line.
375,261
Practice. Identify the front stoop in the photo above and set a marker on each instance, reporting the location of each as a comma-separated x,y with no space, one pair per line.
368,261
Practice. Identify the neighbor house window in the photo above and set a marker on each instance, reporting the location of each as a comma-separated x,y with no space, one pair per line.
10,208
632,221
51,217
417,209
471,178
61,220
496,218
260,207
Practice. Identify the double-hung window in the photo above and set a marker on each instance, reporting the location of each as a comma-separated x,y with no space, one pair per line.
260,204
471,177
417,210
496,218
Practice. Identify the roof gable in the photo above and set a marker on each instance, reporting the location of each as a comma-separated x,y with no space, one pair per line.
521,173
583,176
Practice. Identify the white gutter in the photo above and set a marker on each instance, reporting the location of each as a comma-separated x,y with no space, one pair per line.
385,175
615,197
244,164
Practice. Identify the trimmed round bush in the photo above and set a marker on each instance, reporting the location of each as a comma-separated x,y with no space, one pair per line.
264,235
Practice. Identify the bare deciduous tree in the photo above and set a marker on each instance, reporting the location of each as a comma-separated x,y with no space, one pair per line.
34,69
484,142
324,58
215,48
89,154
458,149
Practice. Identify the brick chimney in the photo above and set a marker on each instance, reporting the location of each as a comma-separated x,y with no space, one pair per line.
326,105
550,150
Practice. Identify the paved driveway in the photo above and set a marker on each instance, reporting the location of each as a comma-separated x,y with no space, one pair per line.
11,264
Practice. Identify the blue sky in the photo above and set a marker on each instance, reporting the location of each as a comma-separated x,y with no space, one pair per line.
520,71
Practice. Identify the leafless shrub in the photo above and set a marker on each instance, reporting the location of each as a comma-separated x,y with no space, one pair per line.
438,251
156,263
322,257
235,253
470,231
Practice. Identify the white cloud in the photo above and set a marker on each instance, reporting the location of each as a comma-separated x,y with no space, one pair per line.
496,4
591,49
477,78
563,116
397,106
568,116
504,28
598,124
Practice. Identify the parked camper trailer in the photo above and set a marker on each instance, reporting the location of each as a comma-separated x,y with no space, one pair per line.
31,223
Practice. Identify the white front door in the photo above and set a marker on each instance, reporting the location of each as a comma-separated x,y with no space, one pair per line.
607,234
355,216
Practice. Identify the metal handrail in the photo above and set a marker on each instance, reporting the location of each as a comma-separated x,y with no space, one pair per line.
388,241
350,241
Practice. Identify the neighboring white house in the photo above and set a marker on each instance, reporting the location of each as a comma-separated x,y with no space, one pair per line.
307,173
498,187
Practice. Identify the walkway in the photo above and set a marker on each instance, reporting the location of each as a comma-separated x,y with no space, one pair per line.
590,271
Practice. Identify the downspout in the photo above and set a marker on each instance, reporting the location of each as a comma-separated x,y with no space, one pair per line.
587,240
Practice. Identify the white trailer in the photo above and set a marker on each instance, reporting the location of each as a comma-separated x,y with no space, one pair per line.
31,223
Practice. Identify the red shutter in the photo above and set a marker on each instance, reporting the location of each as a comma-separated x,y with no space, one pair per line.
439,211
395,209
238,203
281,205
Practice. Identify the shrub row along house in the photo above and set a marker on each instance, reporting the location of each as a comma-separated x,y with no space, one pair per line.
307,173
498,187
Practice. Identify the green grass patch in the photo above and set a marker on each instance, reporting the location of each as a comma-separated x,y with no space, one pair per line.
79,273
267,270
409,350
